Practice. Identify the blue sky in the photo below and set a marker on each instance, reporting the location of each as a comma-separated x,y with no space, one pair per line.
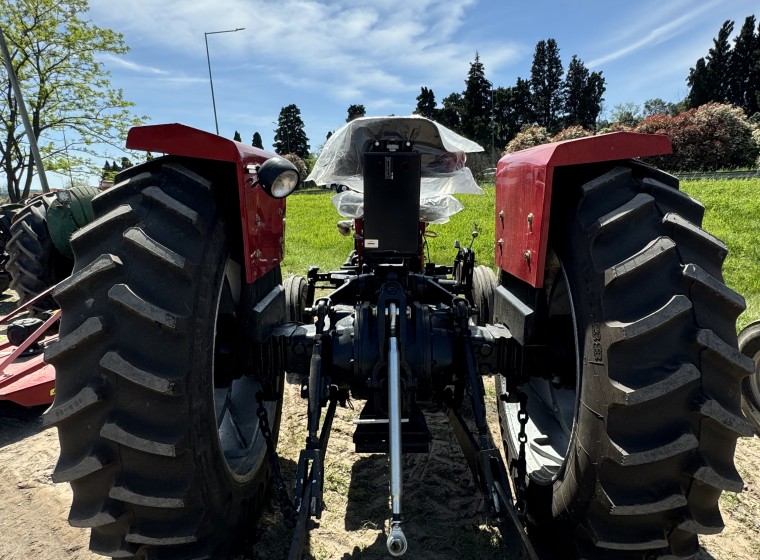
324,55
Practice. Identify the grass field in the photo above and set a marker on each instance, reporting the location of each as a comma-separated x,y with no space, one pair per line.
732,214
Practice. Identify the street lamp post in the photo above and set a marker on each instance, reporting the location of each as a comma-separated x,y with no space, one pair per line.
210,79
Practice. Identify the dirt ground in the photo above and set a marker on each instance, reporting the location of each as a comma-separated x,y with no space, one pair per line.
445,517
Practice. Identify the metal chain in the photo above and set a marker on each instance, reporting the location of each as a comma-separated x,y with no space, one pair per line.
520,464
286,505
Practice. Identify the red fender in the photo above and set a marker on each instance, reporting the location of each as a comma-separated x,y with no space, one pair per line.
524,193
262,217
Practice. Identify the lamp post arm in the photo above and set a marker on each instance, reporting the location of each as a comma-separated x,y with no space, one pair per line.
211,81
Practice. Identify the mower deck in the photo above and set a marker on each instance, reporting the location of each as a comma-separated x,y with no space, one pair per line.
25,378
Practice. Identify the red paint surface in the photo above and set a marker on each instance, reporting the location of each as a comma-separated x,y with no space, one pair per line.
524,188
262,216
28,380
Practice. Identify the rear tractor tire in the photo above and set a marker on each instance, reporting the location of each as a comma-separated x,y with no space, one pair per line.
33,262
631,441
156,399
749,345
39,252
7,212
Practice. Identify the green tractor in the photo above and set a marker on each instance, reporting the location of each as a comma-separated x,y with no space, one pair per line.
38,233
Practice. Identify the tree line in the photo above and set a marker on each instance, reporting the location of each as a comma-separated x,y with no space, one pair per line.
555,104
716,126
75,111
491,116
550,97
729,74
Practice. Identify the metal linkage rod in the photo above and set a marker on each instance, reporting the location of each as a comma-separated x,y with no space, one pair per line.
396,540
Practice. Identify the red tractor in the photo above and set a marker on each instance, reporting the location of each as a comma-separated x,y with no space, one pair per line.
609,334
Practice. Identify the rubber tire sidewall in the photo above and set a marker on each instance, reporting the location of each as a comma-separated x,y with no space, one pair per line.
295,298
749,345
483,286
223,493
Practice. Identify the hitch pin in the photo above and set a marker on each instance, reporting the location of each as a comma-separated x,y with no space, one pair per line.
396,540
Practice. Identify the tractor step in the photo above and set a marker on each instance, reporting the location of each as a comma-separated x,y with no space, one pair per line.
372,432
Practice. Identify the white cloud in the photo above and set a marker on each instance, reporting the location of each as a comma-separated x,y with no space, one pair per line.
132,66
347,49
649,30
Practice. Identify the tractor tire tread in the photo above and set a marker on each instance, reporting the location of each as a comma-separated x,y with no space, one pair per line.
687,306
33,263
662,403
156,225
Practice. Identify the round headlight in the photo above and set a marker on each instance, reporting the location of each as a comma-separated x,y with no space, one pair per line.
285,184
278,177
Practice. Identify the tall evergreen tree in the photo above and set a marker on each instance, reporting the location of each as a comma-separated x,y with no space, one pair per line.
523,99
575,82
507,120
582,93
718,64
289,136
699,88
477,104
237,137
546,84
426,103
595,88
355,111
257,142
513,111
710,79
745,68
451,112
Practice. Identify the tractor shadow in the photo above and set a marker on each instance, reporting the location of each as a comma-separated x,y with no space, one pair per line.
444,513
18,423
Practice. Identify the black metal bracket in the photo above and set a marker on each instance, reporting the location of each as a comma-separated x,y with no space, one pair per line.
482,456
310,472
